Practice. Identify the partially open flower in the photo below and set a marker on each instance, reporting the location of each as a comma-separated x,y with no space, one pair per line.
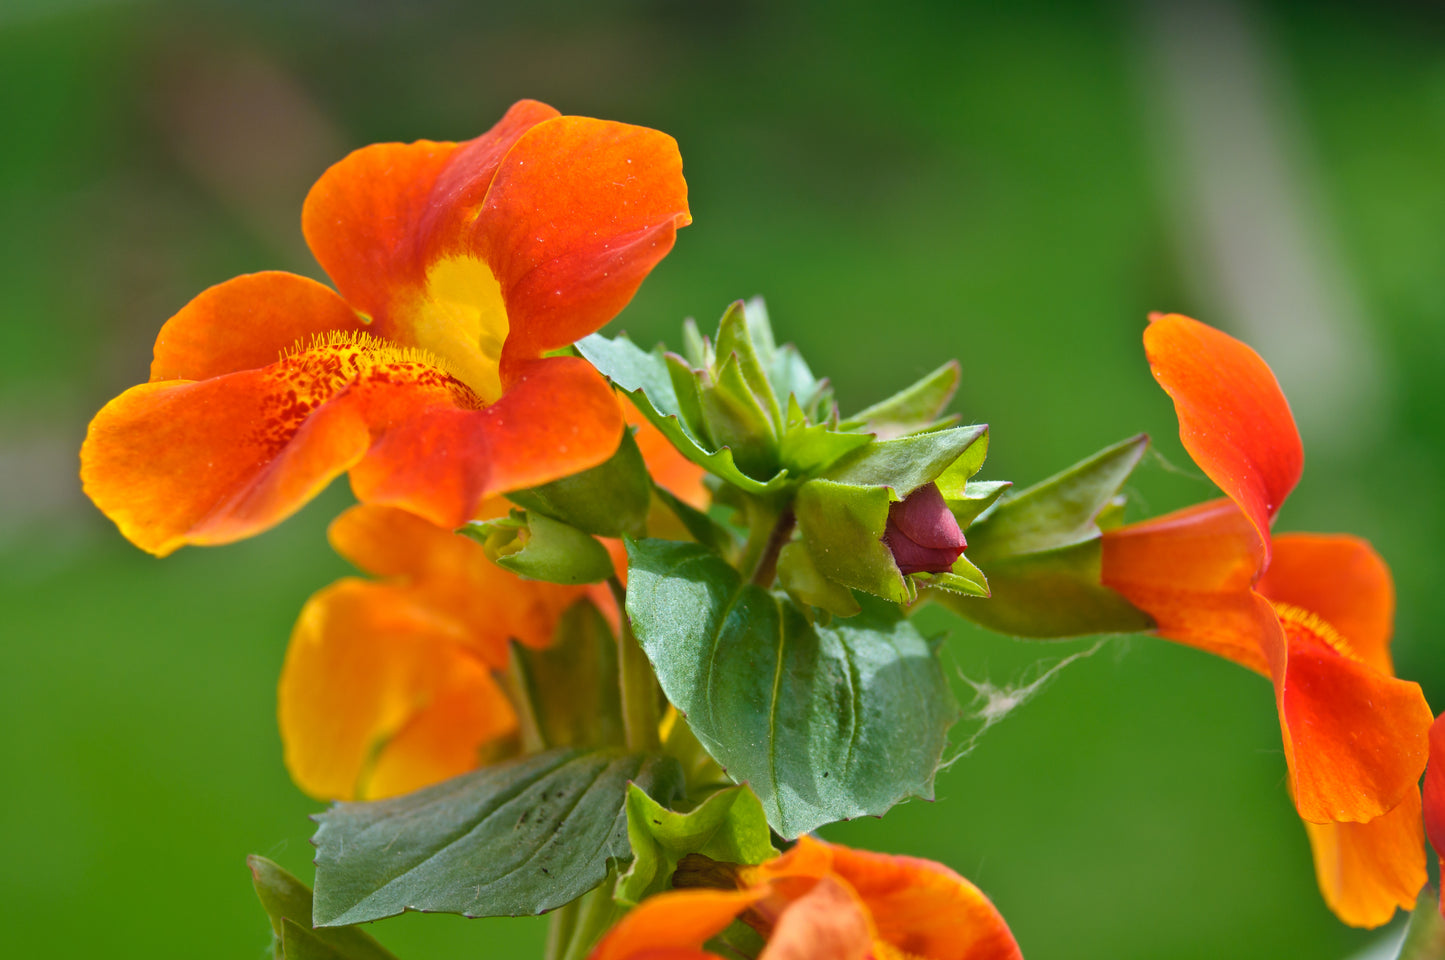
922,532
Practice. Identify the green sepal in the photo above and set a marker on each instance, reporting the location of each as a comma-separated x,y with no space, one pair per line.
570,692
907,463
808,448
912,408
842,526
953,481
1425,933
963,577
287,902
805,583
535,546
610,500
730,826
968,504
735,336
787,371
520,837
644,377
825,723
1042,551
736,419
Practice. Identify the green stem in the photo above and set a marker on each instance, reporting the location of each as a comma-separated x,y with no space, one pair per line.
639,689
596,911
561,923
518,687
767,569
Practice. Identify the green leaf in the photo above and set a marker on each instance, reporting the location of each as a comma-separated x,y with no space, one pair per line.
806,584
843,526
288,904
907,463
571,687
729,826
1043,554
1425,935
970,502
736,419
825,723
953,481
808,448
735,339
1061,510
914,406
543,549
610,500
645,378
520,837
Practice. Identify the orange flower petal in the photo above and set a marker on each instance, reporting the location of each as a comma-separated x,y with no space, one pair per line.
360,220
925,909
1192,571
828,922
378,695
1434,790
557,418
1355,738
452,577
1367,870
674,925
579,212
216,460
1233,417
248,322
1343,580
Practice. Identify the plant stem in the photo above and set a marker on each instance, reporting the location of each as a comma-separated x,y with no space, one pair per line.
767,568
560,925
639,689
596,910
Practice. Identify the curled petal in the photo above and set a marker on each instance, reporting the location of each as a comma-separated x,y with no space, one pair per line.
1192,572
558,417
1342,580
379,696
925,909
1367,870
212,461
1355,738
578,213
248,322
451,577
1233,417
674,926
828,922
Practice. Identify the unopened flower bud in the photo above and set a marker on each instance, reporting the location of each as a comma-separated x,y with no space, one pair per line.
922,533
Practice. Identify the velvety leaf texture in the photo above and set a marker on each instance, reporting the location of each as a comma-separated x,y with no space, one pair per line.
520,837
824,723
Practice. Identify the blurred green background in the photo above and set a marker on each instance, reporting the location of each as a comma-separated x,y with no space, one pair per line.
904,182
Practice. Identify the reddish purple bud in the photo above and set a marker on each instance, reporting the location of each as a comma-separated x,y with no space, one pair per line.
922,532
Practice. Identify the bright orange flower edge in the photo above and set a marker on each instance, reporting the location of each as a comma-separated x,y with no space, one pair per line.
459,265
1311,612
820,901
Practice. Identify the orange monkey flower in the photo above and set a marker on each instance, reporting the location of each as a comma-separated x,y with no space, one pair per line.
1311,612
459,266
388,684
821,901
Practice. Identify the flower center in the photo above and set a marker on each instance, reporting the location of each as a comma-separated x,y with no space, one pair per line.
463,319
1306,625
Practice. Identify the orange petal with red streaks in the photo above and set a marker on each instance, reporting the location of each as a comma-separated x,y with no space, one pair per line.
1368,870
378,695
557,418
673,925
1356,739
828,922
1434,790
212,461
1341,579
1192,571
248,322
1233,417
578,213
925,909
452,576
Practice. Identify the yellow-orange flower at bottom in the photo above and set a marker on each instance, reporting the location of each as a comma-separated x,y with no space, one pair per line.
820,901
